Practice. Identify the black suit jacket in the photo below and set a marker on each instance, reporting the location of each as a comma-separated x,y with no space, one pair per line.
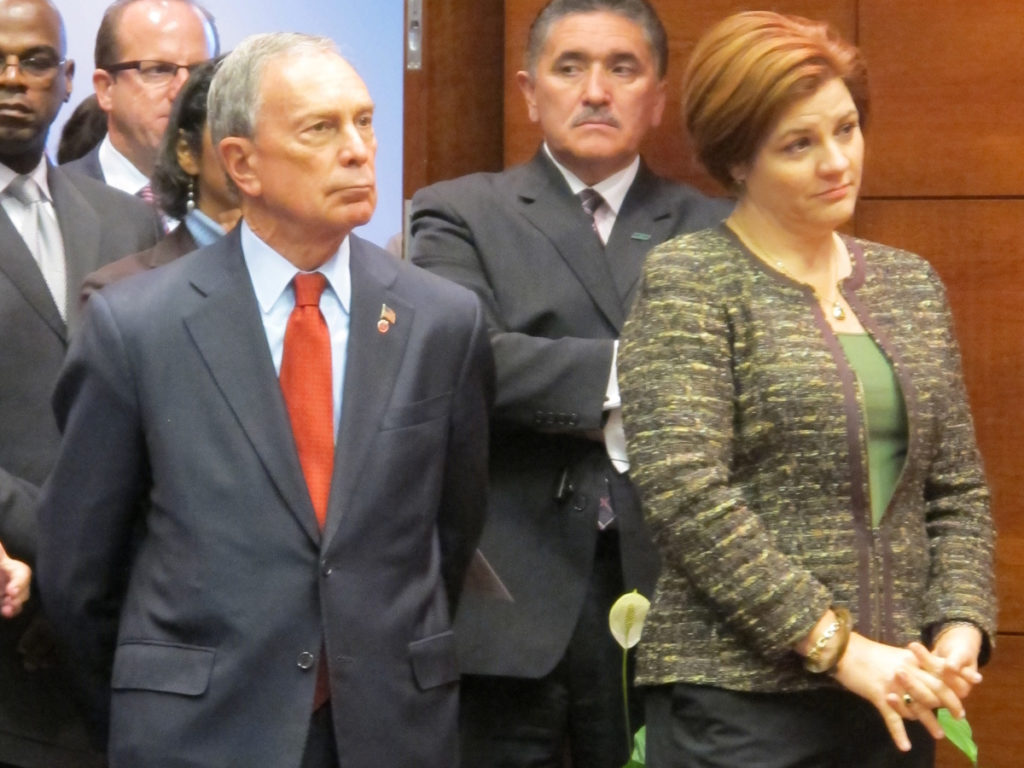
555,301
37,722
214,616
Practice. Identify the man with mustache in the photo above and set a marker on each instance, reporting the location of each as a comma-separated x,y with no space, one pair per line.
556,268
55,228
273,472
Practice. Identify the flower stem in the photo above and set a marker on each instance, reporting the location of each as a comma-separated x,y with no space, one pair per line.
625,703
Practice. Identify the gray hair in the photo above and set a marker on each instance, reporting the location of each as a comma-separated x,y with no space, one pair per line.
639,12
234,99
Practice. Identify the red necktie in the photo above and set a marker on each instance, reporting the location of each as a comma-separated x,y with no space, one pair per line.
306,384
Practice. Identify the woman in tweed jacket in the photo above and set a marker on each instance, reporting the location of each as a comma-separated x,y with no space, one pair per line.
800,434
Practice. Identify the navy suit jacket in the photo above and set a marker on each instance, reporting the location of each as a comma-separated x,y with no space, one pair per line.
555,301
206,613
38,723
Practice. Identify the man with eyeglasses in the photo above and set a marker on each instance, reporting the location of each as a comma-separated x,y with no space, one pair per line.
55,228
144,52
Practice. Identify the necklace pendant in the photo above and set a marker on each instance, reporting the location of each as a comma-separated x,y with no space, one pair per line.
837,310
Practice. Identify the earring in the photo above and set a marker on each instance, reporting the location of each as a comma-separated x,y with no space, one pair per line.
190,200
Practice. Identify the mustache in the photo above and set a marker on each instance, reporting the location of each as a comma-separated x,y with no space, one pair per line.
598,114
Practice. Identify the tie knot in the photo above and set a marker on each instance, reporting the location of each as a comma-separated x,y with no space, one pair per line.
25,190
591,200
146,193
308,287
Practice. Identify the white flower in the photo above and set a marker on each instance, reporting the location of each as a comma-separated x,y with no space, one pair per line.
626,618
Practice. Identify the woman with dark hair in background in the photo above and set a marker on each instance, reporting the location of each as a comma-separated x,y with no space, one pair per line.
800,434
83,130
189,184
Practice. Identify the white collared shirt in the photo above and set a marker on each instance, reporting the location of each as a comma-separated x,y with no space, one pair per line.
120,173
271,275
613,190
118,170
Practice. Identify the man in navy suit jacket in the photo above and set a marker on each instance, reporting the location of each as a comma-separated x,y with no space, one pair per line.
182,557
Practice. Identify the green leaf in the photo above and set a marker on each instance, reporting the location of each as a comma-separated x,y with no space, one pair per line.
639,756
959,734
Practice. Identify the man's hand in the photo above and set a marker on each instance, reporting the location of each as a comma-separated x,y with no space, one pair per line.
15,578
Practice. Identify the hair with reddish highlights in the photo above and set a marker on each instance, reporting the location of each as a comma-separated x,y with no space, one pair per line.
748,69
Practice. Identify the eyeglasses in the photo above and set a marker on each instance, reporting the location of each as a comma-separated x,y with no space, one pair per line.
33,65
156,73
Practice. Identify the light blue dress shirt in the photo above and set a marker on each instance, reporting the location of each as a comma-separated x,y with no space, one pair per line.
204,230
271,275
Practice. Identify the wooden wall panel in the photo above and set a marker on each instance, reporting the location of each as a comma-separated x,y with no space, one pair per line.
995,710
667,150
977,248
453,105
946,83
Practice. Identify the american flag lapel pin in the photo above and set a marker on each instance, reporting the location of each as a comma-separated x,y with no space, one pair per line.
387,318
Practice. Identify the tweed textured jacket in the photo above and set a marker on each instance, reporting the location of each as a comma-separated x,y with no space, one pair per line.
749,450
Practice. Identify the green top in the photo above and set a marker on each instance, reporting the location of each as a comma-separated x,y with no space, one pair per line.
885,415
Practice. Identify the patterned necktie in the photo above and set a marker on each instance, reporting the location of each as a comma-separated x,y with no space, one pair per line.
146,193
306,383
42,236
591,200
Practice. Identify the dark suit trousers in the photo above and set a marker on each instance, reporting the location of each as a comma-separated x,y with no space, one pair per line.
696,726
508,722
321,748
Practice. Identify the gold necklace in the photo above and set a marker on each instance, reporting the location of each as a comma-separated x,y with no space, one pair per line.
836,308
834,301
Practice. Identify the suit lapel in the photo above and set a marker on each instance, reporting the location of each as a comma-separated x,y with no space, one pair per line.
18,264
645,220
373,360
80,230
544,198
226,327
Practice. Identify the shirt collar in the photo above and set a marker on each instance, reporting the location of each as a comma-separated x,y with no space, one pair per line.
613,189
118,170
203,229
271,272
38,175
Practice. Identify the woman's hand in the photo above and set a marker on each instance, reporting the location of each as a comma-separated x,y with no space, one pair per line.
15,578
957,648
885,675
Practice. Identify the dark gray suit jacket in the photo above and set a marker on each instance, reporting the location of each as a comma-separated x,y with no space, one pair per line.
213,605
98,224
555,300
87,165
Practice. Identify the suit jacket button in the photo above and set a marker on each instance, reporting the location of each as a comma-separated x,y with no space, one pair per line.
325,568
306,660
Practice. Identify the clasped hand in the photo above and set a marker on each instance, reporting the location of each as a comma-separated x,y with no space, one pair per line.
15,578
911,683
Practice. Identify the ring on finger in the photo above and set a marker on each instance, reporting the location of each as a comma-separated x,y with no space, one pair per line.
908,699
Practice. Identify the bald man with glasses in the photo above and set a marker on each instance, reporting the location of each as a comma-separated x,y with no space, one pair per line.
145,50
